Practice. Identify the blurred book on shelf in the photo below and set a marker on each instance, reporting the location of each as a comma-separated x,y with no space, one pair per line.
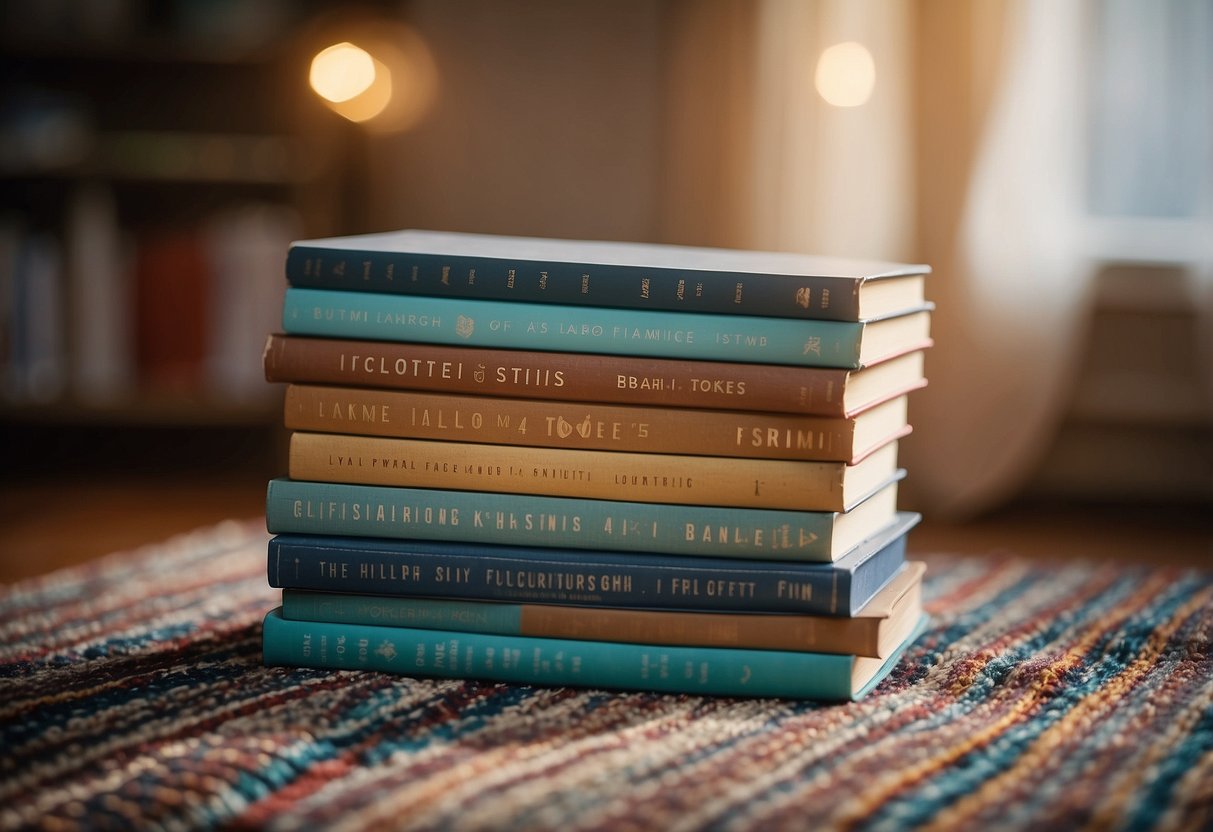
105,315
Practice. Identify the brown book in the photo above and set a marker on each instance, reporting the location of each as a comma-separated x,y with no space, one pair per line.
876,630
582,377
603,475
603,427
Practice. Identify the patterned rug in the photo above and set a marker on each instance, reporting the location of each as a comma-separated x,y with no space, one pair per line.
132,696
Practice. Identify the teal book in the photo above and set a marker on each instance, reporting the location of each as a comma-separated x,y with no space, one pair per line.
566,662
587,329
599,273
316,508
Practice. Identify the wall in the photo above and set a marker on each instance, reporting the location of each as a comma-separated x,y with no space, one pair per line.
547,122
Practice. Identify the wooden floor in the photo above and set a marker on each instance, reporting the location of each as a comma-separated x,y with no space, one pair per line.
44,527
1058,532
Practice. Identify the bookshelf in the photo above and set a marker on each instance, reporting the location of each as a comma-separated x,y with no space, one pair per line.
156,159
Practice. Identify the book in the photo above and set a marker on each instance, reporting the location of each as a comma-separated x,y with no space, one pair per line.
876,630
244,244
588,577
585,377
302,507
628,275
535,326
602,475
603,427
565,662
173,287
99,284
35,365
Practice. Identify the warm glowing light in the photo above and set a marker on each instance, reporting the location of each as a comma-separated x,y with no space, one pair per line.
341,72
386,83
846,74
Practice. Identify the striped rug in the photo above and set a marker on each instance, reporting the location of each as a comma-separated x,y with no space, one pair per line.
132,696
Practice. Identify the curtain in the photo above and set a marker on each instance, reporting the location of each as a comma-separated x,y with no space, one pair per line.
968,157
1012,284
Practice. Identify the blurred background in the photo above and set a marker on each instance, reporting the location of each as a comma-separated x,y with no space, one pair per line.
1053,162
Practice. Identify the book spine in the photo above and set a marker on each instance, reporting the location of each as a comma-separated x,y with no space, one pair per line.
486,323
174,306
819,634
555,662
558,376
600,427
575,284
524,520
478,572
598,475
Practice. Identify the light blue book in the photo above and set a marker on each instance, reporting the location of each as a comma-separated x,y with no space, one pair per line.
587,329
561,662
305,507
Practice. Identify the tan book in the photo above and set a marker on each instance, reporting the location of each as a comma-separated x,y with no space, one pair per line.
603,427
585,377
876,631
605,475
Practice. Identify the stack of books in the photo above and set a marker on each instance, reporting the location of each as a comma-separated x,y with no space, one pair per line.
597,464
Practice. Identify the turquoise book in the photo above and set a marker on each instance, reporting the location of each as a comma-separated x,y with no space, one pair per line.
601,330
320,508
567,662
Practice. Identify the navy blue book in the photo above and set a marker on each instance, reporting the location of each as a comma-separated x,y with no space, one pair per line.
590,578
595,273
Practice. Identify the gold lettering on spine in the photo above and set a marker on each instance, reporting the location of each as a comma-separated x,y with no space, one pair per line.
415,367
786,439
556,581
353,412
